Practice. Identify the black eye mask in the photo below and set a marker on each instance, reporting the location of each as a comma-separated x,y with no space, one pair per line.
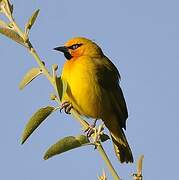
67,55
74,46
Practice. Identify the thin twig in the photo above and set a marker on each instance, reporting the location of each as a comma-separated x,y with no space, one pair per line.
138,175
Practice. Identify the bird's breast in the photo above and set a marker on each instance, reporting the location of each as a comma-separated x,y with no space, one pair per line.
84,91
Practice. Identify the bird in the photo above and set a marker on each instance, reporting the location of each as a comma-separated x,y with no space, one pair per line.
94,90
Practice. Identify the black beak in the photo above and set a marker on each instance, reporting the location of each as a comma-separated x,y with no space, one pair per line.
61,49
64,50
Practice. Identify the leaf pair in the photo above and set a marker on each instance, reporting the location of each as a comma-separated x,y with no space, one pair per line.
5,28
12,32
63,145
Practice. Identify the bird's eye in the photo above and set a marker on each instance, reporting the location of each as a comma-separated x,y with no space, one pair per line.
74,46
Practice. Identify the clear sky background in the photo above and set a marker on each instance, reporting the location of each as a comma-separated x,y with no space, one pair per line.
142,39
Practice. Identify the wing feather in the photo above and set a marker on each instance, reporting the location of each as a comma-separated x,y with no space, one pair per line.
108,78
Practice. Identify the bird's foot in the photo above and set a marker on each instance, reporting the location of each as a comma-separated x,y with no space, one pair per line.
95,133
91,129
67,106
98,133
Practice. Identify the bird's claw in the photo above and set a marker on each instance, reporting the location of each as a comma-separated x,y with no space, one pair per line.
96,132
67,106
91,129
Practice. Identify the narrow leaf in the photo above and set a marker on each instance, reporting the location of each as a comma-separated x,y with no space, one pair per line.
66,144
9,6
12,35
61,87
65,86
31,20
30,75
35,121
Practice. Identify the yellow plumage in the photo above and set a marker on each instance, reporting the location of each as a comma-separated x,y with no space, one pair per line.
94,90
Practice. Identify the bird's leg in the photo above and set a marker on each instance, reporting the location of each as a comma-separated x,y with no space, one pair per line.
90,130
98,132
67,106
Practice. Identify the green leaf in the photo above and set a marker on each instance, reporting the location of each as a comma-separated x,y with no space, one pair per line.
104,137
61,87
66,144
60,84
30,75
35,121
31,20
12,35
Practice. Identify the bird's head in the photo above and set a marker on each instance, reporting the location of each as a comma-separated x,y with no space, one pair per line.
78,47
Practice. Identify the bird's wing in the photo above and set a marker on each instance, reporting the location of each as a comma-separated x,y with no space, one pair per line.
108,75
108,78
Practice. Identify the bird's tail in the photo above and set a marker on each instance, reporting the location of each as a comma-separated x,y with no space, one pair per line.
121,147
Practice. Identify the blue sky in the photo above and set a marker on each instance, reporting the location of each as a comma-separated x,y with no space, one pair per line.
142,39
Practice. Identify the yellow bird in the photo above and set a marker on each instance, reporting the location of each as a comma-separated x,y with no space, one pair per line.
94,90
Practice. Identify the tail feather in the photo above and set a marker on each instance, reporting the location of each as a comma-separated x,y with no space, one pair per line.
121,147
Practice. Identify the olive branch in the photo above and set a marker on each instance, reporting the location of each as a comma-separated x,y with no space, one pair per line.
11,30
